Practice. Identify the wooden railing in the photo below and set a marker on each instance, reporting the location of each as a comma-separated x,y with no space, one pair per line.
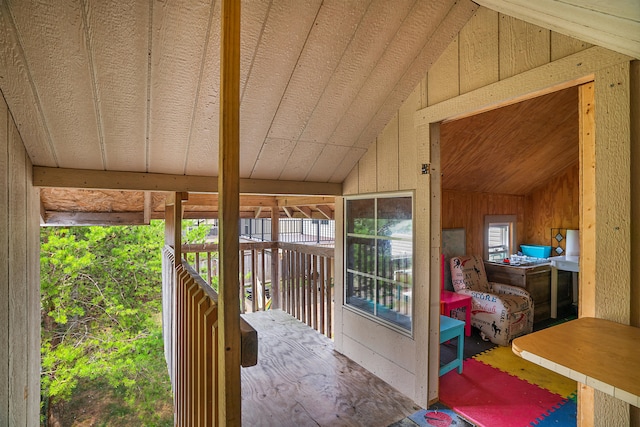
306,272
190,312
307,285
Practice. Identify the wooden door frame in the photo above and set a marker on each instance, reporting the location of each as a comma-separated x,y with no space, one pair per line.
574,70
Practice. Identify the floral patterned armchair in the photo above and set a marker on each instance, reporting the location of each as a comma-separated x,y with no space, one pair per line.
501,312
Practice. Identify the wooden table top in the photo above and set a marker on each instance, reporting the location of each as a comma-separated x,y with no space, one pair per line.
599,353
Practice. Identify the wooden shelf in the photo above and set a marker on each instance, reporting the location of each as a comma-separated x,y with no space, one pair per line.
596,352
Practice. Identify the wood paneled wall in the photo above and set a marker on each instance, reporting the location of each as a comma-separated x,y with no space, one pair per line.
19,281
555,204
467,210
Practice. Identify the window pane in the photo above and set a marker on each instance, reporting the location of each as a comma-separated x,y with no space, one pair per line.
394,217
360,292
361,254
379,261
394,304
360,216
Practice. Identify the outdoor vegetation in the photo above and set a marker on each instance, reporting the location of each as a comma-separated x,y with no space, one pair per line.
102,350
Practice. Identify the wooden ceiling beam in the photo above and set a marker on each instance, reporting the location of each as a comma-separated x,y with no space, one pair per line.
206,199
304,201
326,211
288,211
306,211
140,181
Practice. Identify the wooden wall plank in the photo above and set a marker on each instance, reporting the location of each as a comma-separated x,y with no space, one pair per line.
351,183
523,46
407,145
479,60
554,204
387,157
461,209
32,305
443,82
562,45
367,174
5,329
635,208
635,195
614,25
612,103
18,265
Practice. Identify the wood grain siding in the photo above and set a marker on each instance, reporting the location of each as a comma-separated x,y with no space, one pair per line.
555,204
444,75
20,281
407,144
478,59
614,25
387,157
522,46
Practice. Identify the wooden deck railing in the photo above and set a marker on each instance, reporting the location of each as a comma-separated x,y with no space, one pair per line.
191,342
307,285
306,272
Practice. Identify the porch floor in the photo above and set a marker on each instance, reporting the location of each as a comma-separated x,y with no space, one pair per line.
301,381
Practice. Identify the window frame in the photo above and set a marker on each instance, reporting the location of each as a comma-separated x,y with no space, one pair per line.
375,276
511,220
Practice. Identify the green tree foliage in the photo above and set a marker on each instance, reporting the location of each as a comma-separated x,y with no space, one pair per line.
101,315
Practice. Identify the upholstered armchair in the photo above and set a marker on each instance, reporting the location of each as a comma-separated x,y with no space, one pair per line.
501,312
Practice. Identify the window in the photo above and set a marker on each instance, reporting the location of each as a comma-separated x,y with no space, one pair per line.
379,258
500,237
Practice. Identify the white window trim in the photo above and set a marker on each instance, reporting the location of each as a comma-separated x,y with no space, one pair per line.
491,219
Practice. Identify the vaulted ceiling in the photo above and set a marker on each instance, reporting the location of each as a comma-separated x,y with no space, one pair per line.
132,86
125,85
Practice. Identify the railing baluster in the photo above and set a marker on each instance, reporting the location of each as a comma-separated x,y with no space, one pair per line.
263,283
254,281
322,290
242,292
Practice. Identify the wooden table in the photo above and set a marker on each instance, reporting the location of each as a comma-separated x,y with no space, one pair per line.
599,353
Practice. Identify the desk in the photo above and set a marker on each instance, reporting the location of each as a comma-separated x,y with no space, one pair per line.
567,263
596,352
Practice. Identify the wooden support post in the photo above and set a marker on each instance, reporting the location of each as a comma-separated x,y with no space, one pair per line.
275,258
229,203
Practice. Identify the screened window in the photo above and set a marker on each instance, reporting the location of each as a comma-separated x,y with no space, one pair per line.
500,237
379,258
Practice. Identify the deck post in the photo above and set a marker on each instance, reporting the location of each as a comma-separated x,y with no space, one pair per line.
229,205
275,257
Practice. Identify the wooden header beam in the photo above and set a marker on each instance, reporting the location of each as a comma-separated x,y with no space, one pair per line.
140,181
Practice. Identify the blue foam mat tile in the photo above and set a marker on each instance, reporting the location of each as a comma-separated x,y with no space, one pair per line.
563,416
441,416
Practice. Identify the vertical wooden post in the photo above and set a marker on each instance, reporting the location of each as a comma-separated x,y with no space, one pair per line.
229,202
275,257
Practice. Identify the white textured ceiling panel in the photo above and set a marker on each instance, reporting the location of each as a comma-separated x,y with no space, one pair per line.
132,85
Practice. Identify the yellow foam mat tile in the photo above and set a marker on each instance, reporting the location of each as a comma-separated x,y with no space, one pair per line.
504,359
